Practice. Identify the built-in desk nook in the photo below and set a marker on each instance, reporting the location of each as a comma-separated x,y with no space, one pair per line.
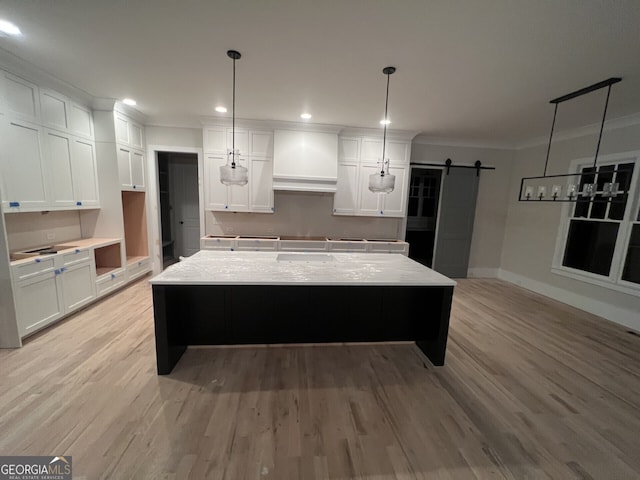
228,298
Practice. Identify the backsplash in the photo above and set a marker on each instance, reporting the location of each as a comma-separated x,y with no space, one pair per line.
34,229
302,214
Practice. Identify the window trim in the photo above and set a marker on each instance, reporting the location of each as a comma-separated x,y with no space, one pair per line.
614,280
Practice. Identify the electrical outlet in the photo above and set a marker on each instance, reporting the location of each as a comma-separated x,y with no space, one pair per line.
51,235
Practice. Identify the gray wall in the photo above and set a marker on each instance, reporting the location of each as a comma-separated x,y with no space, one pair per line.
531,229
174,136
491,207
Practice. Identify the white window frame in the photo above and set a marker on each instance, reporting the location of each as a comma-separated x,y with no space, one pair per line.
614,279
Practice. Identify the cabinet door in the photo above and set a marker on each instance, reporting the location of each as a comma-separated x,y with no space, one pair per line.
261,184
37,302
369,203
261,143
80,121
85,176
242,141
396,151
345,200
239,195
78,286
58,148
54,109
122,129
22,167
348,149
124,167
136,137
20,97
394,202
137,170
215,193
215,140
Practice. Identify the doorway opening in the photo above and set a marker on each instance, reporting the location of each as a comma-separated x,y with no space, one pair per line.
179,205
422,213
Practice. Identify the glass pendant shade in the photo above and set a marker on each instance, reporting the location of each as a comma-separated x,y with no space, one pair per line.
233,173
382,182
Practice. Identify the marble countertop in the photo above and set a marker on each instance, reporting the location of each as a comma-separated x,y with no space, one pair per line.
209,267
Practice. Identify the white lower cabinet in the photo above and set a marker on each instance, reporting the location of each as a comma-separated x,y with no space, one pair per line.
138,268
38,302
78,286
109,282
50,287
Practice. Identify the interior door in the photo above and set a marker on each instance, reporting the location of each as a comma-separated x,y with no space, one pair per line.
455,222
184,178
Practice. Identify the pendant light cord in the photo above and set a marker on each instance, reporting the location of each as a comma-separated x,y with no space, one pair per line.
233,119
604,115
553,124
384,135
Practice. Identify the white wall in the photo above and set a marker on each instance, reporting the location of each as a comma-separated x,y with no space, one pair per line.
302,214
491,206
531,230
34,229
174,136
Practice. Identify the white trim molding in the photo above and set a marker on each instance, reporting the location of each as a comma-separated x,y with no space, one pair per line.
613,313
483,272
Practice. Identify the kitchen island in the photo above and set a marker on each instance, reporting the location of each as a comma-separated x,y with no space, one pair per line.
230,298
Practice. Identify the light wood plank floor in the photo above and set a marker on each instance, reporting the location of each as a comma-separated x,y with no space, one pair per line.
531,389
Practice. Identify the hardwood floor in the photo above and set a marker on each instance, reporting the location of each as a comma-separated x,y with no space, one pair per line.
531,389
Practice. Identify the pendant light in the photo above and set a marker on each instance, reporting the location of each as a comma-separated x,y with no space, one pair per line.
233,173
383,182
582,186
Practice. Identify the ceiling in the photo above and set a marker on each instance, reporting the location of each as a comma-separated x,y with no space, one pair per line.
468,70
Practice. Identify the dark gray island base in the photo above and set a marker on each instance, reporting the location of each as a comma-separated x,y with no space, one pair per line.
198,313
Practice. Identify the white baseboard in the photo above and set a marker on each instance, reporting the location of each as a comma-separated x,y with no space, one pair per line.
483,272
622,316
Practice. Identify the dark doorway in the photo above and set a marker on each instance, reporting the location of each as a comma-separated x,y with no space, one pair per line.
422,213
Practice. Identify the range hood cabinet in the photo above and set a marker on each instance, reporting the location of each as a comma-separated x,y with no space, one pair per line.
305,161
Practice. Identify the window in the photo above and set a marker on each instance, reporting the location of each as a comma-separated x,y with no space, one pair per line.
599,237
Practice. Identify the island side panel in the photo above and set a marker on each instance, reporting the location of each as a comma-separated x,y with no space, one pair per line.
169,349
434,344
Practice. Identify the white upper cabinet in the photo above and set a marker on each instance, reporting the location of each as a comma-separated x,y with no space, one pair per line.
131,169
84,173
256,154
360,157
22,166
128,132
80,121
39,149
54,109
20,97
58,147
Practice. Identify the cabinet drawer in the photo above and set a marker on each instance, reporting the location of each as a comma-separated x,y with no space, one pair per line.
388,247
76,256
32,268
138,268
347,246
257,244
109,282
223,242
303,245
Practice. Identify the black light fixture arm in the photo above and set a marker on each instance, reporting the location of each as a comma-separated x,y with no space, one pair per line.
583,91
234,55
387,71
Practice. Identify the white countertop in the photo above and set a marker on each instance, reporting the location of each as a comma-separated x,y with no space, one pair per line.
210,267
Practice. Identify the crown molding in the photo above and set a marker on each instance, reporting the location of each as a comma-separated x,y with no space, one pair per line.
403,135
22,68
593,129
461,142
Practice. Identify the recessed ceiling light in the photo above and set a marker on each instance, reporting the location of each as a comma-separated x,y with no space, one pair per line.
385,122
221,109
9,28
129,101
305,116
